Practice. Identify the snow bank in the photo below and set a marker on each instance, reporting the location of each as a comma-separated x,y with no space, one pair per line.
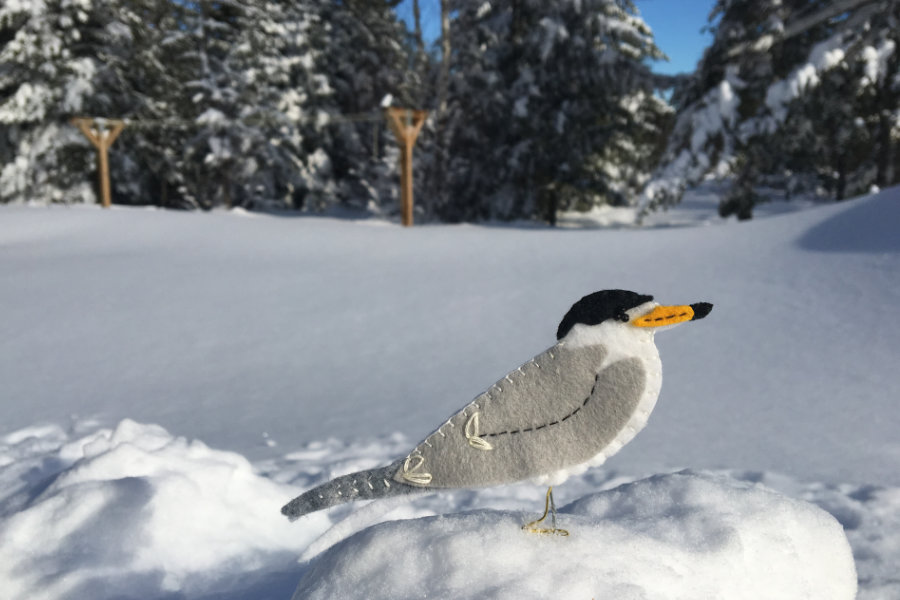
135,511
685,535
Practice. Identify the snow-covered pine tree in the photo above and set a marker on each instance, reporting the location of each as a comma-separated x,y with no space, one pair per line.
619,170
228,102
157,74
839,136
225,129
213,165
368,57
539,93
791,96
279,90
58,59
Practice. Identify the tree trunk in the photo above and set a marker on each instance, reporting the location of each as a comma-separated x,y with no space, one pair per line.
444,73
420,41
842,178
438,184
885,175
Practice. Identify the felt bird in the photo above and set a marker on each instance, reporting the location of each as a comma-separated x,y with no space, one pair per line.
569,408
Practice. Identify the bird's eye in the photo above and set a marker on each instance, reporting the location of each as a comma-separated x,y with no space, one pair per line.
622,316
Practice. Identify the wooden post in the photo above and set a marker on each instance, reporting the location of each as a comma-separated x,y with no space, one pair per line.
97,133
406,125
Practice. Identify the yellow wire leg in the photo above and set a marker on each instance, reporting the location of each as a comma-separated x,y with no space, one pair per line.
549,507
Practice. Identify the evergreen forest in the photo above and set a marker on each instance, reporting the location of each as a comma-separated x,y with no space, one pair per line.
534,107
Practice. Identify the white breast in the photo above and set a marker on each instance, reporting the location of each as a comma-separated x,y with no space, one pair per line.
621,341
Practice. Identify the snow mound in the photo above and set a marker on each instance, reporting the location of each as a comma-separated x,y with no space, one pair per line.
686,535
135,511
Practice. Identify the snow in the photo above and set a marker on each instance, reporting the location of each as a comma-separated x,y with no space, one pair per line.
109,513
685,535
520,107
554,32
81,85
714,114
824,56
25,100
876,61
301,348
211,116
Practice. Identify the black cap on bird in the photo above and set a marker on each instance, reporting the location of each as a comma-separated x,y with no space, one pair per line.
615,305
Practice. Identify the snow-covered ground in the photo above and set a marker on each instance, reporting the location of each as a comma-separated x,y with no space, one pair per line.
298,348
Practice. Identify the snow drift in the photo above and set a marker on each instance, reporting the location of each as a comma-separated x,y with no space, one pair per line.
132,511
681,536
136,512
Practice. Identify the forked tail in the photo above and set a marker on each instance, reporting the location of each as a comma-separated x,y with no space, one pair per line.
362,485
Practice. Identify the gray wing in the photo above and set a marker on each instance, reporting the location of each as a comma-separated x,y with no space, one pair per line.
557,411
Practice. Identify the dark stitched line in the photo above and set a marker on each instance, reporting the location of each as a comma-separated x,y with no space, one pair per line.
669,317
571,414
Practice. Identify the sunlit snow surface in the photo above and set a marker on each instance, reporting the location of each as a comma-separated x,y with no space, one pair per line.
314,347
687,535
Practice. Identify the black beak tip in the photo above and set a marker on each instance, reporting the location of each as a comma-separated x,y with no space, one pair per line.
701,309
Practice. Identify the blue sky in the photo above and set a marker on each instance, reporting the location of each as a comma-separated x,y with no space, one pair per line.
675,23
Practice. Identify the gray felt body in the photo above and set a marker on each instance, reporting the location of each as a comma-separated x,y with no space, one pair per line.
556,411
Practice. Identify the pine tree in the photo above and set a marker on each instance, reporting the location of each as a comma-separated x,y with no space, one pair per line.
159,130
268,63
229,111
368,58
539,94
792,96
59,59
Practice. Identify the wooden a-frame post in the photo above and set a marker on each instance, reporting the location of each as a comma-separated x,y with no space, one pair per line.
101,133
406,125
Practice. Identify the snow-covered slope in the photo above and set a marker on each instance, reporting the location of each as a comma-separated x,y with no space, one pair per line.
316,346
228,328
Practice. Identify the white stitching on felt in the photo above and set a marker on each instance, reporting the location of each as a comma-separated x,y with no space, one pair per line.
474,438
409,472
386,483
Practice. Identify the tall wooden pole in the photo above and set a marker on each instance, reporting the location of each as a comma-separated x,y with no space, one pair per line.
406,125
101,133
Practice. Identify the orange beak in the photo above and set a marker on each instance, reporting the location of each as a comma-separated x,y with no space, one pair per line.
670,315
